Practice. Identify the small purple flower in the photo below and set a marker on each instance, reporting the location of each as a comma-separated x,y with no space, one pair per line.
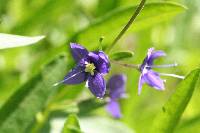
91,66
151,77
116,88
147,74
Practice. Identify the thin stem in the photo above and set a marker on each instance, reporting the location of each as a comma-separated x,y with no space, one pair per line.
131,20
126,65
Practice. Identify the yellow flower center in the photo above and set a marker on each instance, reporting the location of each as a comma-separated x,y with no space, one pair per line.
90,68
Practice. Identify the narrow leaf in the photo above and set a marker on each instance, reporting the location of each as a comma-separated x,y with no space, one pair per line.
10,41
167,120
71,125
121,55
111,24
21,108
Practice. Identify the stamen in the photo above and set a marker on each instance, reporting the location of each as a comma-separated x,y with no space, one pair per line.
62,81
100,98
163,66
172,75
90,68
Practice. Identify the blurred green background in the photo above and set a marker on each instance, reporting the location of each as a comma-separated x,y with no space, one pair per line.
84,22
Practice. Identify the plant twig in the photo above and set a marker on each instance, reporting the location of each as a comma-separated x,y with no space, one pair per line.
126,65
132,19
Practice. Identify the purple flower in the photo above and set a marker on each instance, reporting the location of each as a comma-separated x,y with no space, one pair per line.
91,66
147,74
151,77
116,88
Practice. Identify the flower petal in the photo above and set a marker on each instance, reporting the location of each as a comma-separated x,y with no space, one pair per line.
104,66
153,79
78,51
114,109
151,55
75,76
96,84
116,86
101,61
154,55
141,82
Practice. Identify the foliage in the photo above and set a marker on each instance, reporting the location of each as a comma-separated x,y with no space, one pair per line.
71,125
30,103
173,109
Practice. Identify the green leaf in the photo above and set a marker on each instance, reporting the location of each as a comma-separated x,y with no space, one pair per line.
121,55
111,24
10,41
21,108
167,120
71,125
49,12
89,105
83,107
102,124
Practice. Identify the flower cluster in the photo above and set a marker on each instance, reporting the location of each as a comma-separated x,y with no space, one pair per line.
92,66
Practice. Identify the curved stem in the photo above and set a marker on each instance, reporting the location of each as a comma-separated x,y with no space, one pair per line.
131,20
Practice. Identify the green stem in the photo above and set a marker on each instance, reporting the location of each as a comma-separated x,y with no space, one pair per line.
126,65
131,20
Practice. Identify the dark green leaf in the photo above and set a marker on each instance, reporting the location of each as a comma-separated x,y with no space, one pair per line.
71,125
89,105
20,110
167,120
121,55
111,24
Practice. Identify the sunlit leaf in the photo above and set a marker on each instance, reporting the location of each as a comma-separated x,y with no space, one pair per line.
20,110
167,120
71,125
121,55
10,41
189,125
111,24
103,125
49,12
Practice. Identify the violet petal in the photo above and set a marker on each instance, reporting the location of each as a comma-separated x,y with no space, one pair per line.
153,79
113,108
78,51
75,76
116,86
96,84
141,82
101,61
154,55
